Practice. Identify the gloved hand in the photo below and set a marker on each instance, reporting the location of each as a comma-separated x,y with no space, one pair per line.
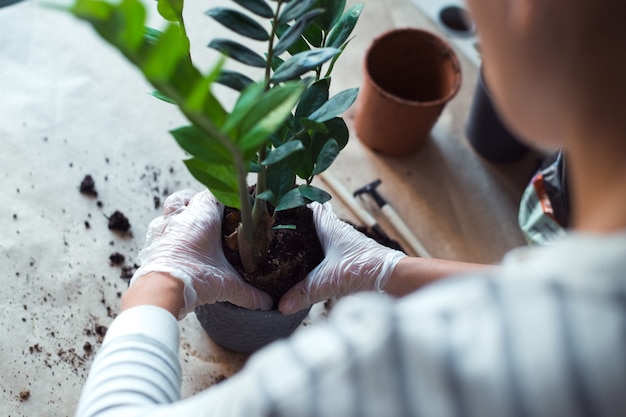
186,243
353,262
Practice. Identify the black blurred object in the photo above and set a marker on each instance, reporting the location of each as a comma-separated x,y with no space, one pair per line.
4,3
486,132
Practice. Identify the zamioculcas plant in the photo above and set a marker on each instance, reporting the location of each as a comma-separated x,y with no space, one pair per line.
284,127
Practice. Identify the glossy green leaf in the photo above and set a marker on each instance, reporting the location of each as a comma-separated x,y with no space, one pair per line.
292,199
314,126
327,156
197,143
267,195
334,10
238,52
151,35
303,62
284,227
335,106
293,34
295,10
272,110
280,179
299,45
220,179
163,97
313,193
238,23
258,7
313,98
171,10
340,33
234,80
301,163
337,130
277,62
283,152
314,35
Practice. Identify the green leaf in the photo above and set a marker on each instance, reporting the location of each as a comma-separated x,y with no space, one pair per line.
284,227
280,179
200,145
132,32
283,152
327,156
296,47
337,130
334,9
151,35
258,7
238,52
314,35
314,126
238,23
163,97
294,10
313,98
344,27
234,80
267,195
245,103
92,11
272,110
163,58
291,200
220,179
303,62
335,106
294,33
171,10
314,194
201,98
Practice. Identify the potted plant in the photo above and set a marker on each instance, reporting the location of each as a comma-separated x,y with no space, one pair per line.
285,128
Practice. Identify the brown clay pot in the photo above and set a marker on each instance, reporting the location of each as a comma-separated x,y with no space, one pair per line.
409,75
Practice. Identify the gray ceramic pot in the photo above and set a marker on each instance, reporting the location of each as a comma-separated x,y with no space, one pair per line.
242,330
487,133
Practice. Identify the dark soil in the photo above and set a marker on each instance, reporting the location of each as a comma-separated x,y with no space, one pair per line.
292,255
117,258
88,186
119,222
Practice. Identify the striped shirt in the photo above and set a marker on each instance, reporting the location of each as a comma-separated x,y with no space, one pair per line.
545,337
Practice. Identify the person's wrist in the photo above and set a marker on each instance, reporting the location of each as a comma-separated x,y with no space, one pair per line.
157,289
390,260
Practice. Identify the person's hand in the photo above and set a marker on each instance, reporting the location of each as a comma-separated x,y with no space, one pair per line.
186,243
353,262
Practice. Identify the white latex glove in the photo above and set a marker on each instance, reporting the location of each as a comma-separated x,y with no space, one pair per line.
186,243
353,262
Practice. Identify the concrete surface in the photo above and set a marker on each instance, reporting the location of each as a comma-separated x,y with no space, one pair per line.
71,106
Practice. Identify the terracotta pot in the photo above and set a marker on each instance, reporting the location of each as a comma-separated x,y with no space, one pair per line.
246,331
486,132
409,75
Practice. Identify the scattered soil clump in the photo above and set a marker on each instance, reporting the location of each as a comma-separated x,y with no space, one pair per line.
119,222
88,186
117,258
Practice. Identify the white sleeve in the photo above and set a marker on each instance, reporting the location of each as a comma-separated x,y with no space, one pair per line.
137,366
